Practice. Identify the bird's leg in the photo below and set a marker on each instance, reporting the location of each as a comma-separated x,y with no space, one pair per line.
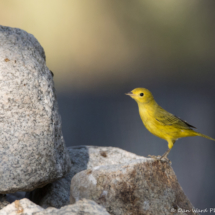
170,145
165,154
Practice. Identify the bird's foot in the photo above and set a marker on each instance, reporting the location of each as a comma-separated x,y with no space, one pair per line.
155,157
160,158
165,159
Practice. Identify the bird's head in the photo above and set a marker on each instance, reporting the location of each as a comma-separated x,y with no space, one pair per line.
141,95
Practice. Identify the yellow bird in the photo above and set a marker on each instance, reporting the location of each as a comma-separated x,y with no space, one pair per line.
160,122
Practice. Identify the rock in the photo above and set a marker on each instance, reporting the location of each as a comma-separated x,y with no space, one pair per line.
32,148
21,207
82,207
143,186
26,207
82,158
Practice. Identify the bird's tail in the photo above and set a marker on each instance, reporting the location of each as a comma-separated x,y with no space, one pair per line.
205,136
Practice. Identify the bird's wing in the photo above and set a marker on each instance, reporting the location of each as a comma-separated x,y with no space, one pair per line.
167,118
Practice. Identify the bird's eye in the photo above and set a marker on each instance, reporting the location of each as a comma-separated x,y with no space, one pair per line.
141,94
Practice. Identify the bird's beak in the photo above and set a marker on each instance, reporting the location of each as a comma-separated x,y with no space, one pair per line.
129,94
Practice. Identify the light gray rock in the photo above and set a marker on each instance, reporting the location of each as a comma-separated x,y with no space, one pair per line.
32,148
143,186
82,207
21,207
82,158
26,207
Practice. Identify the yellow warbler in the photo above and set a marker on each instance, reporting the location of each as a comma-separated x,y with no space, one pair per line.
160,122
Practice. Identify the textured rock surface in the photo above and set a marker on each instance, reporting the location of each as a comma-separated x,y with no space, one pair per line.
82,158
26,207
32,148
142,186
82,207
21,207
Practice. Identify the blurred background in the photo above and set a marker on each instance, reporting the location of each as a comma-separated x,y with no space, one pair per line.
99,50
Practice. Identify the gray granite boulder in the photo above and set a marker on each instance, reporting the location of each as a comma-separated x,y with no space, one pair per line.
57,193
32,148
143,186
26,207
21,207
82,207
